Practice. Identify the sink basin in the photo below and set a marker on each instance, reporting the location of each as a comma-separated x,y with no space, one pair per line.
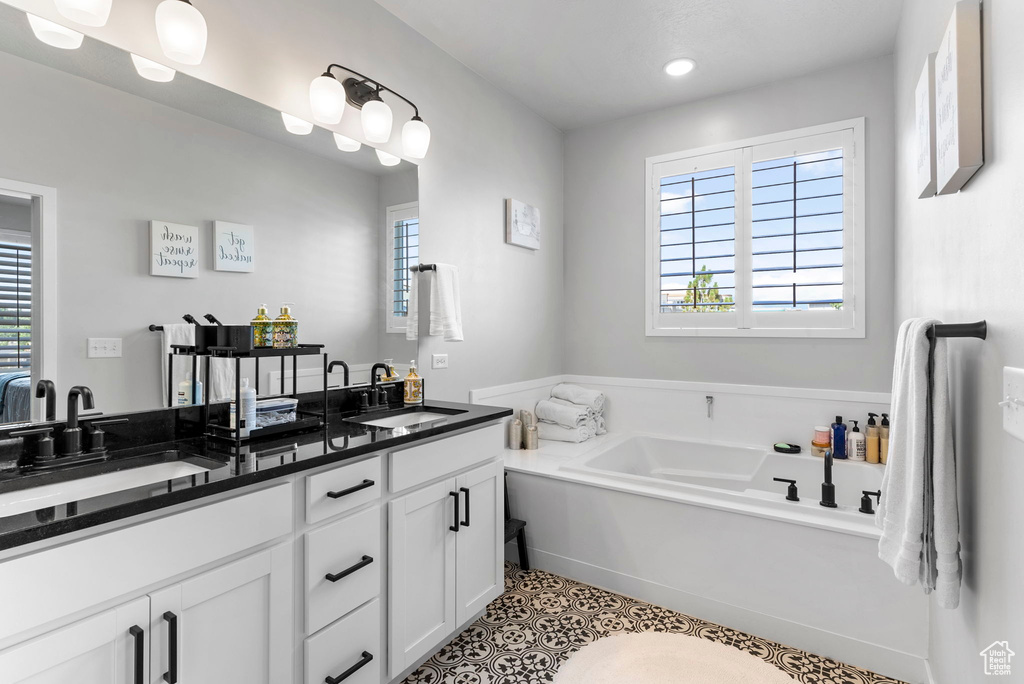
146,473
406,419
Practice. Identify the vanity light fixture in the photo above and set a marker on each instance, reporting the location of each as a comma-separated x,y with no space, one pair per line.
388,159
54,34
85,12
296,125
328,103
680,67
181,29
154,71
346,144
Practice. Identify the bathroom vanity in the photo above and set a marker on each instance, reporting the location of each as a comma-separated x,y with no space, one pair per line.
348,553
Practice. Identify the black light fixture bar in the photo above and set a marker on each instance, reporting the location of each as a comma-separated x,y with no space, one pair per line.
359,92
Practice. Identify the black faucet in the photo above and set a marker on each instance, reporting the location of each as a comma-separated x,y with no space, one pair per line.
330,369
73,433
45,389
828,490
374,397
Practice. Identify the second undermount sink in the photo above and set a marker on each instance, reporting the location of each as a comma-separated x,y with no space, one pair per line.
170,466
407,419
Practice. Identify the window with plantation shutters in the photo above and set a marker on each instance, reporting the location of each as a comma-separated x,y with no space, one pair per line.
15,306
402,252
761,237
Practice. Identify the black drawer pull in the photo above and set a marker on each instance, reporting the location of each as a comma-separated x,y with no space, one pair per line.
455,527
171,676
367,657
351,490
465,523
140,652
348,571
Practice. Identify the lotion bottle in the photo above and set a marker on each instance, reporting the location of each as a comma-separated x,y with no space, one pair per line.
839,438
248,400
871,437
185,389
856,447
262,329
883,435
413,386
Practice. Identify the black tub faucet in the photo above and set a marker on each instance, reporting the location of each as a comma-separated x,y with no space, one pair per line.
73,433
330,369
828,490
46,390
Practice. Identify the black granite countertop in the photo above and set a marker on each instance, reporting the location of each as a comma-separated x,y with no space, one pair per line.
221,466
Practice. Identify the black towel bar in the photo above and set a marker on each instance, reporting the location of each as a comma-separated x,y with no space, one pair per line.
423,267
979,330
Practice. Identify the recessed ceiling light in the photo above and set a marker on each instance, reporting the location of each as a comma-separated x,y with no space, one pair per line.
680,67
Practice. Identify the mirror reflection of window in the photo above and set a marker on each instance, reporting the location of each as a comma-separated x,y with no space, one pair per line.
403,236
15,309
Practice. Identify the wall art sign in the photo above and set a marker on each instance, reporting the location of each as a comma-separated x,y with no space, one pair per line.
173,250
522,224
924,96
234,247
959,150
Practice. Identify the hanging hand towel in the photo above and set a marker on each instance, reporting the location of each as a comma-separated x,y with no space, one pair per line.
567,416
221,386
557,433
579,395
412,311
918,509
446,303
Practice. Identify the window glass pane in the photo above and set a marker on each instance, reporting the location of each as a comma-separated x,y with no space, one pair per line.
406,254
15,307
677,237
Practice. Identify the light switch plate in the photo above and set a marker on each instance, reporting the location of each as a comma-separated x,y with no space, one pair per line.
104,348
1013,401
439,361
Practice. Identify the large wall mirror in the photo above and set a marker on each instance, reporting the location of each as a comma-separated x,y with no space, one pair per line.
93,154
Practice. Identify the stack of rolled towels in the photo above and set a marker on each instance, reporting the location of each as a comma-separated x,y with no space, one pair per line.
571,414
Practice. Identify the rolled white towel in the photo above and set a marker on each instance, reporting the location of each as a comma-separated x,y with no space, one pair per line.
557,433
591,413
602,426
566,416
579,395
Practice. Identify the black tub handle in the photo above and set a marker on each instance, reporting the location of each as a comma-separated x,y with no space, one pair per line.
465,523
348,571
351,490
455,527
365,659
140,652
171,676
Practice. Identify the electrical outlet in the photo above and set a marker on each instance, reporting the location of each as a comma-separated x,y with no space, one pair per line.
439,361
104,348
1013,401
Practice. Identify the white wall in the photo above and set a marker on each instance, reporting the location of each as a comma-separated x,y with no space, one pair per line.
485,147
604,172
959,258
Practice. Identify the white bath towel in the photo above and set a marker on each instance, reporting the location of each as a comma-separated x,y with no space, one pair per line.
918,510
446,303
412,311
567,416
222,383
558,433
591,413
601,427
579,395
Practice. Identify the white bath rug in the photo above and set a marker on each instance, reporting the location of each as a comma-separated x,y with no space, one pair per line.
659,658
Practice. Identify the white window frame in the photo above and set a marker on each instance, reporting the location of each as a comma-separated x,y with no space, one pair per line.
393,214
849,322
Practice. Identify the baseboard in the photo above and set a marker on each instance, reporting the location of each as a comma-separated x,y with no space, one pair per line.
905,666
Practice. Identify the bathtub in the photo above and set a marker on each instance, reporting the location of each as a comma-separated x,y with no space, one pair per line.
734,477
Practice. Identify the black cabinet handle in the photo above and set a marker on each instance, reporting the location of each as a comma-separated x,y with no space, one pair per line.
455,527
465,523
351,490
348,571
171,676
367,657
140,652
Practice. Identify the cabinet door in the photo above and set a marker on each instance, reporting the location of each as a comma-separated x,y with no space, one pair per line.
479,575
104,648
231,624
421,573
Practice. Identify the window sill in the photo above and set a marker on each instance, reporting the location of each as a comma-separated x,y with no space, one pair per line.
828,333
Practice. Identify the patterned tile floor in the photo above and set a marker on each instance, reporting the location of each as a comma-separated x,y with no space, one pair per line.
542,619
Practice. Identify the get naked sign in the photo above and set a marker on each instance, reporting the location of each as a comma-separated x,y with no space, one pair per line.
234,247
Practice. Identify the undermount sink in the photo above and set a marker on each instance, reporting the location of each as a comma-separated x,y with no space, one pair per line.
407,419
77,489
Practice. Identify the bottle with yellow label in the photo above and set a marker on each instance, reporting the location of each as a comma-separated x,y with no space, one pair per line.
286,329
413,386
262,329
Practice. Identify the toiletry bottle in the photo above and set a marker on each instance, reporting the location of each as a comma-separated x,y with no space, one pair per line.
883,435
413,386
262,329
286,329
392,373
856,447
871,437
839,438
185,389
248,399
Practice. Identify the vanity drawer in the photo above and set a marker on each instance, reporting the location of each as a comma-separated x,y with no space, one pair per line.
342,646
342,547
342,489
419,464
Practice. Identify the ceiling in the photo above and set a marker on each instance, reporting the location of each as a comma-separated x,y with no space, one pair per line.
579,62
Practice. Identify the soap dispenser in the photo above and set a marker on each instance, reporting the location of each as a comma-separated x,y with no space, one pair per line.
286,329
871,439
413,386
262,329
883,436
856,447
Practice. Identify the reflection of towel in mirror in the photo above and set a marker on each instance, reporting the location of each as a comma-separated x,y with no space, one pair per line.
221,386
446,303
412,310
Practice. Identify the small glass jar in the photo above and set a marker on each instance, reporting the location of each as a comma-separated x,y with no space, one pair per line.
818,449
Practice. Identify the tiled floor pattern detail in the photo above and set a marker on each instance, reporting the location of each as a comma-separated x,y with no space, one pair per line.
542,619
